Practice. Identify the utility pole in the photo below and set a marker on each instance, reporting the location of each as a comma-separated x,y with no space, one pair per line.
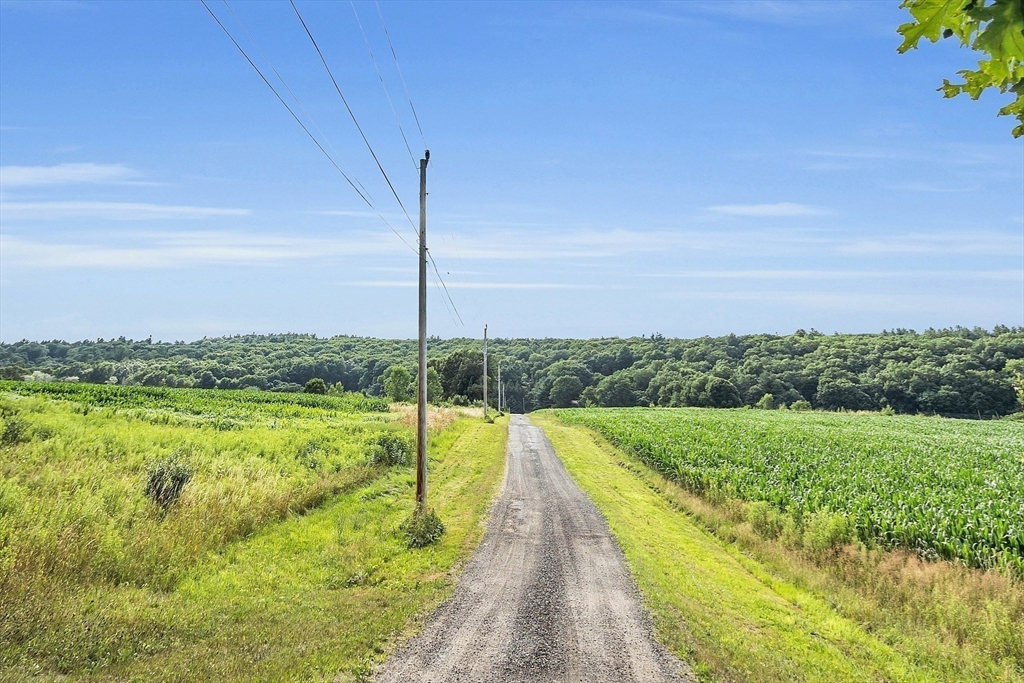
485,371
499,386
421,389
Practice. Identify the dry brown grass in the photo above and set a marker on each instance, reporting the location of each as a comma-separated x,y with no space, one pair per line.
439,418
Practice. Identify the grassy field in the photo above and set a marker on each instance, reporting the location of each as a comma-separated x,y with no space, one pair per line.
281,559
744,604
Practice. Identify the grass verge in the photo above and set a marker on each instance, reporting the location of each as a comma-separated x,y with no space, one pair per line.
320,596
720,608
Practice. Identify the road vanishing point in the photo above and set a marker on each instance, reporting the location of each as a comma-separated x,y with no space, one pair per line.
546,597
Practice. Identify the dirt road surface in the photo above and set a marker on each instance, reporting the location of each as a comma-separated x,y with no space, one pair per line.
546,597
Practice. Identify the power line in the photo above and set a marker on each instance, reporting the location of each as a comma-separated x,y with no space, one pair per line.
404,87
301,124
290,91
360,190
438,273
351,113
438,288
386,93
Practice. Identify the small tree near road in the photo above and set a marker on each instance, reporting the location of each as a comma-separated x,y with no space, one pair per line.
397,380
565,390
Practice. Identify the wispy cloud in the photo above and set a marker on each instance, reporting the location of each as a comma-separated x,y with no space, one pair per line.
62,174
947,154
779,12
926,244
854,301
758,11
52,7
118,211
1004,275
516,245
557,250
579,246
158,251
766,210
474,285
931,187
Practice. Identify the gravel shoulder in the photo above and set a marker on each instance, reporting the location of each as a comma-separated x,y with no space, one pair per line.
546,597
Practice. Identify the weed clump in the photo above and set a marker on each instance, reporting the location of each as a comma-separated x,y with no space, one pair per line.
15,430
389,449
167,477
422,529
828,532
766,520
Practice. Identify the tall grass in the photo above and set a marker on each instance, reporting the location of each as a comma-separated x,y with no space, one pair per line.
234,597
97,496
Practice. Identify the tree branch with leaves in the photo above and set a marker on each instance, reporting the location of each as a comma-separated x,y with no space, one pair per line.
992,27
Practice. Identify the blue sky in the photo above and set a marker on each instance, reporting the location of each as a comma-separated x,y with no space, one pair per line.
598,169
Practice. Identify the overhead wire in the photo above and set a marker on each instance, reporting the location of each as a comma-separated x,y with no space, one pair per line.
399,68
323,60
441,279
438,288
380,76
301,124
295,97
447,300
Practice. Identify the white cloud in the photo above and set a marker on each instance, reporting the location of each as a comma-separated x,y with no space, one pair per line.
951,275
504,244
186,249
118,211
978,243
780,209
856,301
473,285
29,176
929,187
786,13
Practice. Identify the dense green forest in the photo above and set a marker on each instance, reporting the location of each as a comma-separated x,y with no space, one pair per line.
966,372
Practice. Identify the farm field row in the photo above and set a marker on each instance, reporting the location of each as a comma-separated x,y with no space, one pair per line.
279,555
944,488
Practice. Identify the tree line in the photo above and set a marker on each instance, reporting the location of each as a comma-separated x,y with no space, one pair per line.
958,371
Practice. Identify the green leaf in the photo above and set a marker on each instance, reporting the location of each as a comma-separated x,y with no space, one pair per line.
931,17
994,28
1003,35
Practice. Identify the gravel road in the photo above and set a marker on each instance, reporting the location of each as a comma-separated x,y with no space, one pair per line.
546,597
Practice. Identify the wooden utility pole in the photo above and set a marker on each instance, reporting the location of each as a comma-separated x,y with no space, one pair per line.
421,389
485,371
499,386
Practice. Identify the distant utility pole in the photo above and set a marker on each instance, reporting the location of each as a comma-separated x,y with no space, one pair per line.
421,389
485,371
499,386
